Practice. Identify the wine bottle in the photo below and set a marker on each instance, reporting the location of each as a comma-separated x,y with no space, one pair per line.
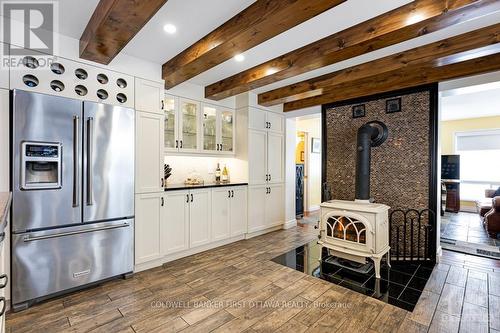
217,173
225,174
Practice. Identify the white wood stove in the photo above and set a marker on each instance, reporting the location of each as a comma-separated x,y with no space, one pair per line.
355,230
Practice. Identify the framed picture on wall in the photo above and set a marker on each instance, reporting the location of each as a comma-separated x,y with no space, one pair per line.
393,105
316,145
358,111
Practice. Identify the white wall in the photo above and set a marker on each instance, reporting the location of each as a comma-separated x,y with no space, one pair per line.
204,166
312,126
290,135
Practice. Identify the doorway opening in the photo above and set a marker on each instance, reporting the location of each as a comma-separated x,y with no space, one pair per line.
470,163
308,168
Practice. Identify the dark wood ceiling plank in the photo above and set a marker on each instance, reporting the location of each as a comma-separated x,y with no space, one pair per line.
382,31
113,24
259,22
420,55
400,79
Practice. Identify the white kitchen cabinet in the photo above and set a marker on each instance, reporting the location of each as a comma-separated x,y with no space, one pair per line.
221,213
266,207
276,123
218,126
149,152
275,205
175,232
265,121
200,217
275,158
257,119
257,197
257,157
229,212
149,216
189,125
238,206
149,96
171,127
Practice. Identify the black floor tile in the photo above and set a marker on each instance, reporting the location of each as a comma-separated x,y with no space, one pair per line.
397,277
424,272
384,288
410,296
400,285
417,283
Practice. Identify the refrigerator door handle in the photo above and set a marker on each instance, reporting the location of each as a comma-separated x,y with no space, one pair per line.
61,234
76,164
90,143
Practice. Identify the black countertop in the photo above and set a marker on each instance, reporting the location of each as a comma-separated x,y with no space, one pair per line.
175,187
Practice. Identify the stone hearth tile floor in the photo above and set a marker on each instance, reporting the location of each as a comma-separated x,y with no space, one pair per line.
401,285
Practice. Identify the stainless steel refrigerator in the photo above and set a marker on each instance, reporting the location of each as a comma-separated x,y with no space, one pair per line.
73,194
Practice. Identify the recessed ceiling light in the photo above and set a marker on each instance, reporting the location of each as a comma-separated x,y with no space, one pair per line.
415,18
170,28
239,57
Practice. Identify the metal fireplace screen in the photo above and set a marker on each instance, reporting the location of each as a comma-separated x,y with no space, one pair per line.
345,228
411,234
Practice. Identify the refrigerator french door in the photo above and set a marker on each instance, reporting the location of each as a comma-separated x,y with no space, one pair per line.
73,194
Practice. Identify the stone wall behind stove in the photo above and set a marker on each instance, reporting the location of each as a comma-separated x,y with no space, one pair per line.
401,167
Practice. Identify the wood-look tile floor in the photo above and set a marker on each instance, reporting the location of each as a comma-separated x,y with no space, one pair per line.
236,288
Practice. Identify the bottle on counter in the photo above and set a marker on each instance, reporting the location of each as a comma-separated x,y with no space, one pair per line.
225,175
217,174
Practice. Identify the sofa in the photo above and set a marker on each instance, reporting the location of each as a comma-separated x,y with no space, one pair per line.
492,218
484,205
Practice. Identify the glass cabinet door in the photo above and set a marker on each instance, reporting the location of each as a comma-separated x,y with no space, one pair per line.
171,122
189,135
209,128
227,130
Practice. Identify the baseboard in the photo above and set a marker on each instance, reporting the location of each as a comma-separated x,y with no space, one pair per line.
290,224
439,254
185,253
263,231
312,209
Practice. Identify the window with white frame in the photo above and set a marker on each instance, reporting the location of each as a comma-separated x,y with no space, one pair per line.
479,162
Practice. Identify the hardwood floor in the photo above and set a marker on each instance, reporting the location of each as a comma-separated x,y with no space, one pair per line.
236,288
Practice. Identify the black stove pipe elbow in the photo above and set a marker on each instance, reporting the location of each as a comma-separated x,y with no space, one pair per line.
371,134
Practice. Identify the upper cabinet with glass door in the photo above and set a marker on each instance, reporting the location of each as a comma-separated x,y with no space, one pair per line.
227,126
189,117
192,127
171,136
218,130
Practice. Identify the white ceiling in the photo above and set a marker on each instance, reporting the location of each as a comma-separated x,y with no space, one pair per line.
196,18
471,102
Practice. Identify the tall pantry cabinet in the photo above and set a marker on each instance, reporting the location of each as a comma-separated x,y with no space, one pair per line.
266,169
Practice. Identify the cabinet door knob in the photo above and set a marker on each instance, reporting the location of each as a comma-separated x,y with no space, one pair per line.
187,197
232,194
163,105
192,197
176,143
162,201
181,144
162,183
229,194
269,177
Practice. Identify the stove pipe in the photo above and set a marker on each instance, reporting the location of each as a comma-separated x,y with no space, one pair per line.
371,134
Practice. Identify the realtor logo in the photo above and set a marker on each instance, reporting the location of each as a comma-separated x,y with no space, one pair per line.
29,26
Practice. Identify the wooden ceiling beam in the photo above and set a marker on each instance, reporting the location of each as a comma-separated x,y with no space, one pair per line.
407,22
259,22
113,24
409,77
419,56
